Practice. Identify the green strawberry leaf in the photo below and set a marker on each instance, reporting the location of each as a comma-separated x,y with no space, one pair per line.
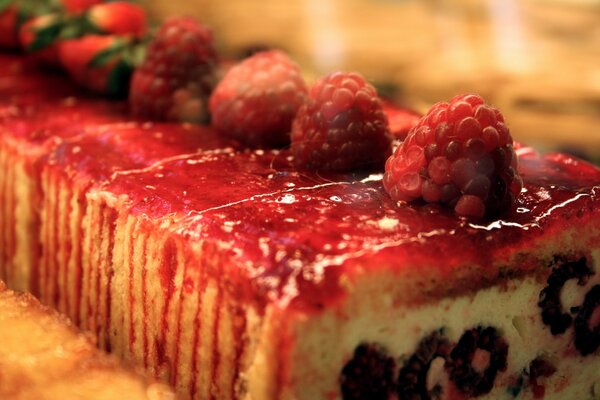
4,4
118,79
76,27
135,55
107,55
46,36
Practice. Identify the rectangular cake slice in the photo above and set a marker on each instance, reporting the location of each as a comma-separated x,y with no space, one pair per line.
308,286
232,275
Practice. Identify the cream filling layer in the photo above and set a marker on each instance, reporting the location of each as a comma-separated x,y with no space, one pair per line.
325,343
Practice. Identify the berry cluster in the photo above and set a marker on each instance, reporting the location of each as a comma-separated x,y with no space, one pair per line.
460,154
471,365
476,380
413,379
369,375
96,42
584,318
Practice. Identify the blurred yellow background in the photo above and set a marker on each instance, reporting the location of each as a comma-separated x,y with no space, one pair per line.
537,60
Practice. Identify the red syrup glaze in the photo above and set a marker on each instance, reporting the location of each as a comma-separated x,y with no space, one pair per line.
290,235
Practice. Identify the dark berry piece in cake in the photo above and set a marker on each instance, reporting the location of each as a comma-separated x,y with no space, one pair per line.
460,154
539,368
368,375
553,313
342,126
476,360
178,74
257,99
420,377
587,323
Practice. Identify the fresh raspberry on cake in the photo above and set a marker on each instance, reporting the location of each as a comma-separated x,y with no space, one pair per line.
342,126
257,99
460,154
175,80
118,18
97,62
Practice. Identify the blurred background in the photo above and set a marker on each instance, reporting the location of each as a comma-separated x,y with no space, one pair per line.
536,60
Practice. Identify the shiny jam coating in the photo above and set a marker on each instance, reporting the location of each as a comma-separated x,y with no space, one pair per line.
287,235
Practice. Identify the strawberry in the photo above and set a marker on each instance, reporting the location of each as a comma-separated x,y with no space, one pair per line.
9,27
14,12
78,6
257,99
98,63
177,75
118,18
39,35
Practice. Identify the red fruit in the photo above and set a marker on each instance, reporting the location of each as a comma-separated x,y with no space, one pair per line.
97,63
9,27
461,154
118,18
258,98
342,126
176,78
39,35
78,6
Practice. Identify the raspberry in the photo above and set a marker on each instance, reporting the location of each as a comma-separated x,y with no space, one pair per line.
587,323
258,98
413,379
368,375
342,126
460,154
553,314
175,80
476,380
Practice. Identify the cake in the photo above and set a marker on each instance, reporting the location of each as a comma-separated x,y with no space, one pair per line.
57,361
231,274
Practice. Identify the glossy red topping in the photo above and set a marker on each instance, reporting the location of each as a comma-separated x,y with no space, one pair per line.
254,207
290,236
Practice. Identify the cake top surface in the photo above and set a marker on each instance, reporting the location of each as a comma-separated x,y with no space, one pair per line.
293,233
291,229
